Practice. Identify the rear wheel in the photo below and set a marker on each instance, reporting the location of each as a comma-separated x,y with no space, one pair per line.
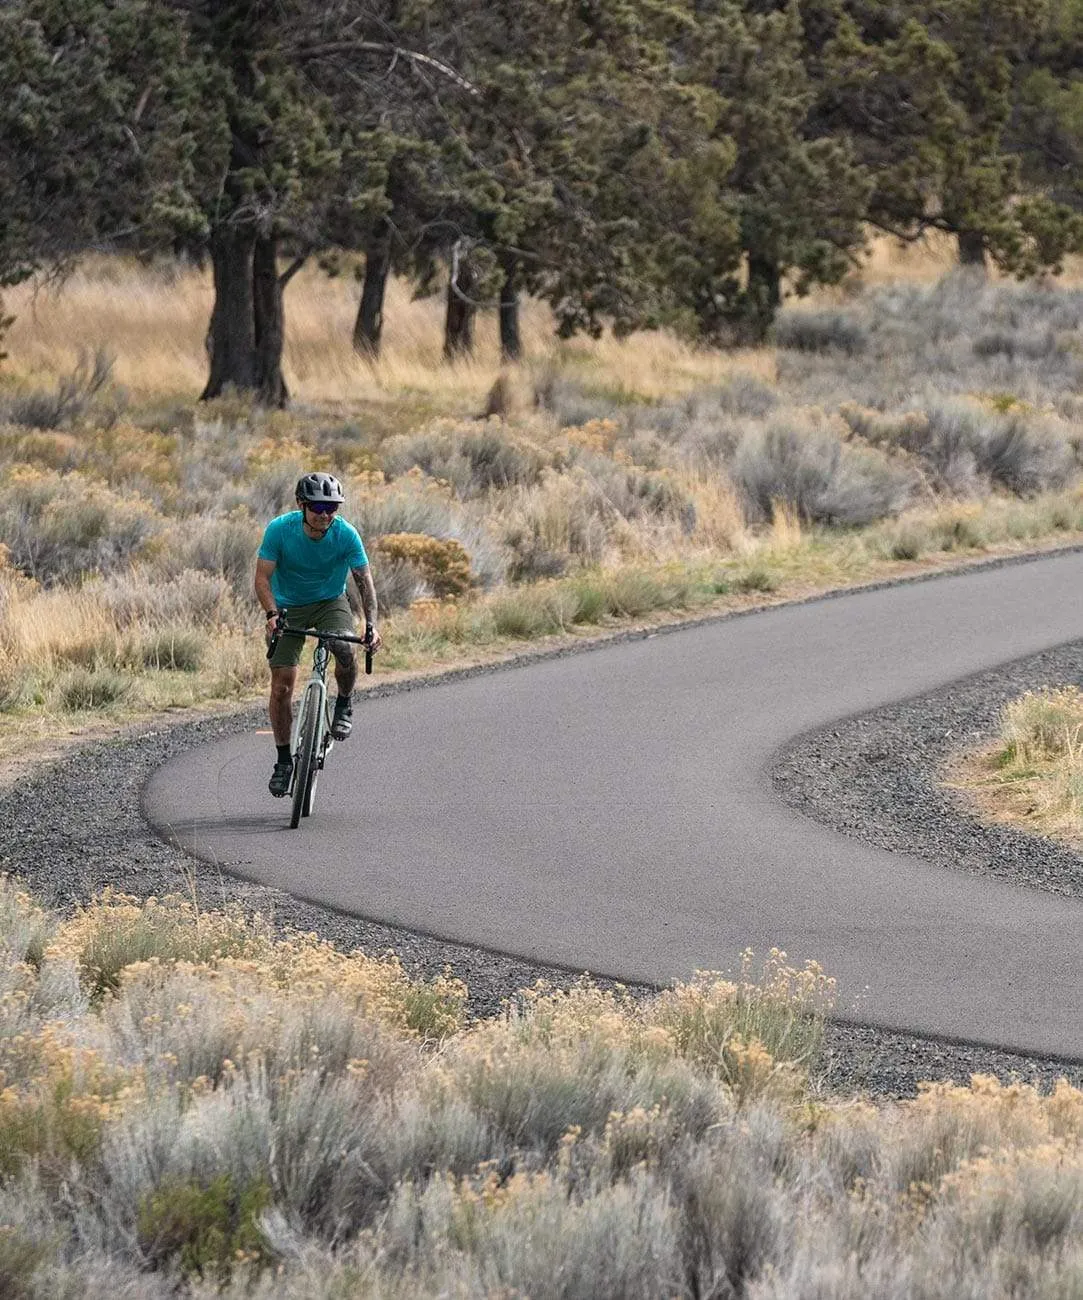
304,780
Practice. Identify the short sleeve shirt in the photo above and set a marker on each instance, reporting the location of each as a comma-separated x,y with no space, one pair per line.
307,571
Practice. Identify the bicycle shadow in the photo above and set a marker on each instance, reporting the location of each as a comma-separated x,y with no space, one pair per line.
237,827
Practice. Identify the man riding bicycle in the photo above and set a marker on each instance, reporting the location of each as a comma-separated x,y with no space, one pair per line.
304,560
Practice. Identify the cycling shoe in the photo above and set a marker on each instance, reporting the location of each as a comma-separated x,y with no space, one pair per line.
279,783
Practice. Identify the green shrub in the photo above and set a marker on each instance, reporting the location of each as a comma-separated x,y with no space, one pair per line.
20,1257
472,460
822,331
592,600
397,581
224,546
16,684
92,688
807,467
756,578
523,615
193,597
25,928
114,932
204,1229
630,593
94,650
532,559
179,650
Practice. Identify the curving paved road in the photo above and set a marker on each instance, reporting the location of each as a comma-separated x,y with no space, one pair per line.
609,811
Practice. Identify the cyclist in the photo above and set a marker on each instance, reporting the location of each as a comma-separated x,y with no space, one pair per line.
304,560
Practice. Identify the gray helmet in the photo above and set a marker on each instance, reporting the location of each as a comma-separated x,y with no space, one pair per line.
320,487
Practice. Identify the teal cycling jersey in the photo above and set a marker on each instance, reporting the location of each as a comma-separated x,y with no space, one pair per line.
307,571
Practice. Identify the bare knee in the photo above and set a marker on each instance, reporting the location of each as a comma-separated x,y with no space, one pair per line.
282,685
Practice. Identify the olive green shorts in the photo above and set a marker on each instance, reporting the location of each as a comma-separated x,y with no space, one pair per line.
324,616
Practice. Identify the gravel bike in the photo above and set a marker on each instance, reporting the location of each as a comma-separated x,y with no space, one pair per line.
311,740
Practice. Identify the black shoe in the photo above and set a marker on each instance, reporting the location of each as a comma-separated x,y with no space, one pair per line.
279,784
342,722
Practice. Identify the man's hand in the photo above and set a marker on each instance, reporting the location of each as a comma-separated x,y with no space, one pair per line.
271,626
375,640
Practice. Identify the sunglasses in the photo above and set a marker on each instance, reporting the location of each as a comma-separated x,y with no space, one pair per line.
322,507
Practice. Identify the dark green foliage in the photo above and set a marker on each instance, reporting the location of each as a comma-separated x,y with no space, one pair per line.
204,1229
926,93
94,129
798,201
678,161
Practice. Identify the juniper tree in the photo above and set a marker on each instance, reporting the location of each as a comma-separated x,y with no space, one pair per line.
1046,130
798,202
925,92
96,131
576,148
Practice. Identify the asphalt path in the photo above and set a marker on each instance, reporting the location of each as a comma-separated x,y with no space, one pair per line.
610,811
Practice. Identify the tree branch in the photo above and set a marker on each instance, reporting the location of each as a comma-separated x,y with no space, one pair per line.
291,270
330,48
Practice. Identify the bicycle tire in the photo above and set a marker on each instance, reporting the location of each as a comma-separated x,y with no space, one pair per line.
317,764
305,761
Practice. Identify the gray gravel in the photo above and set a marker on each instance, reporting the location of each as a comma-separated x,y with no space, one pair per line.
74,827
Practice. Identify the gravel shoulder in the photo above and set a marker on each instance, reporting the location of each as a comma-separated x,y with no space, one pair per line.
74,826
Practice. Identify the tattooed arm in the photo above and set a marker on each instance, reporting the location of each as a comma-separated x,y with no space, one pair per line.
362,575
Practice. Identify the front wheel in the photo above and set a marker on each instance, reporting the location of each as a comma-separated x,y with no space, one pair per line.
304,779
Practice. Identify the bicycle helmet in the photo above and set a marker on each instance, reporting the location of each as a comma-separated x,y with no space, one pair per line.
320,487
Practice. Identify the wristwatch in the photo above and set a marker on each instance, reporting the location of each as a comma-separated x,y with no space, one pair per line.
272,613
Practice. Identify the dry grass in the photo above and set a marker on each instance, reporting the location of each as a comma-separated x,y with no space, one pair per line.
622,481
1031,775
155,324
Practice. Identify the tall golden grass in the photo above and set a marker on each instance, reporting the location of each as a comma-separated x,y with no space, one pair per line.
155,323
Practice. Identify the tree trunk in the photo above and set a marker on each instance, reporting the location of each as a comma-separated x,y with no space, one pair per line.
370,314
511,342
231,340
268,323
762,299
461,308
971,248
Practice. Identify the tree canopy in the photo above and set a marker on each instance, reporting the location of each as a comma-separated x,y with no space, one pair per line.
632,162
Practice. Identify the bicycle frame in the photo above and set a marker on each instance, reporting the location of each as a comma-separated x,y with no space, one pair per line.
310,736
315,690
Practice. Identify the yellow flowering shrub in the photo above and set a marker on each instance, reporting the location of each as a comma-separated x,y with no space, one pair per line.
117,935
598,435
40,447
117,930
739,1026
996,1114
638,1136
444,564
58,1100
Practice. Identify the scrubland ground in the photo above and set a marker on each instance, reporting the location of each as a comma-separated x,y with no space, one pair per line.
910,423
192,1106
